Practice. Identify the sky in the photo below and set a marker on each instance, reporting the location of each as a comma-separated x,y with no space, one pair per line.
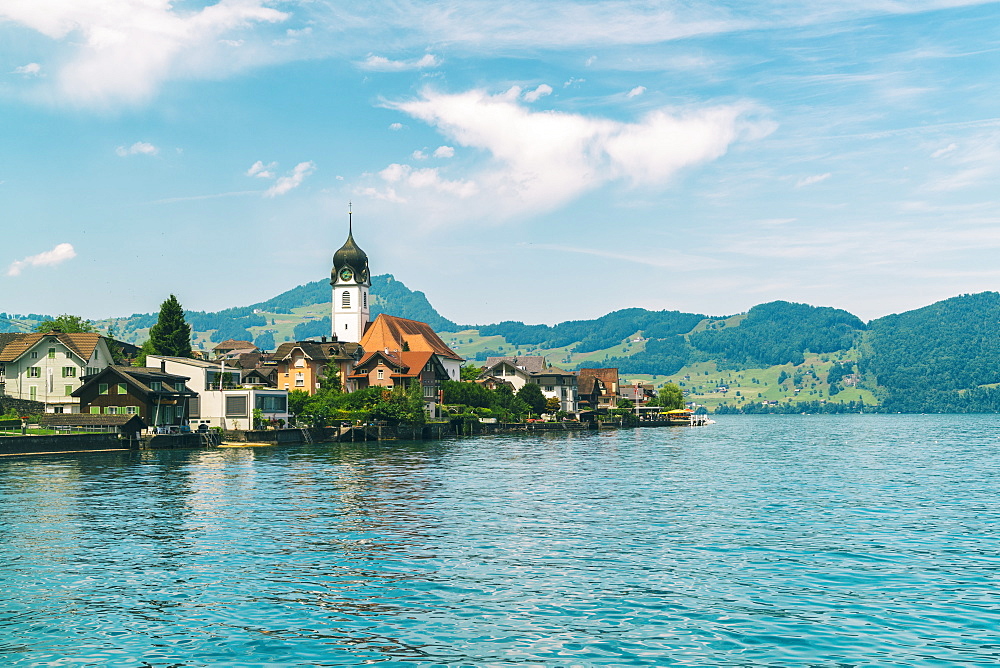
513,160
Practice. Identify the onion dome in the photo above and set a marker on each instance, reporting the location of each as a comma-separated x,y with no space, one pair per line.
350,257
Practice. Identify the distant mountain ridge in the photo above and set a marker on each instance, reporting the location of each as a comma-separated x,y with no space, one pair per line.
942,357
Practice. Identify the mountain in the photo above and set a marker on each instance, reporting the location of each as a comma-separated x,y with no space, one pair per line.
776,356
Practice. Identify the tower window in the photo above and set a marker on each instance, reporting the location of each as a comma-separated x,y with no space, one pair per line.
364,299
345,299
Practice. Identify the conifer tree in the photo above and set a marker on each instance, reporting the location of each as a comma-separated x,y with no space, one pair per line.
171,335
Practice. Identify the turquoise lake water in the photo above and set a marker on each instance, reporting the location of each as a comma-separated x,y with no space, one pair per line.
852,540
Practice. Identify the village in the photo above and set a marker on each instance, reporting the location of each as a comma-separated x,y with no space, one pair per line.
81,381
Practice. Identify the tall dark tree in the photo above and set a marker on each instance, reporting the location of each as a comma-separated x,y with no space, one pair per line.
171,335
532,395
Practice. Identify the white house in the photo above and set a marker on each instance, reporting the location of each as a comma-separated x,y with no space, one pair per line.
48,367
519,371
222,401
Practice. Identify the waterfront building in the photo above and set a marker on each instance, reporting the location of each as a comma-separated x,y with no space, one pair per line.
609,383
519,371
160,399
49,367
384,368
395,334
222,400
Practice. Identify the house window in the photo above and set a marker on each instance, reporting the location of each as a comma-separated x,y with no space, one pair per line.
121,388
155,386
69,390
103,388
69,372
33,355
299,363
549,388
300,380
52,353
34,372
3,370
236,405
381,374
286,386
57,409
270,403
345,299
194,407
111,410
131,410
95,410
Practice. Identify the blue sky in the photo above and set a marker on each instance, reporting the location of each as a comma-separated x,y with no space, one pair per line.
513,160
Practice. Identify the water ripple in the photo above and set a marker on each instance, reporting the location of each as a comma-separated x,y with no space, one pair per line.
760,541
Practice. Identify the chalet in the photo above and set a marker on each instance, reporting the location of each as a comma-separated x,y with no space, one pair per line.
519,371
384,368
388,332
160,399
608,378
49,367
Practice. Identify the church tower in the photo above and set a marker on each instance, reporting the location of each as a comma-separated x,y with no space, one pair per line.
351,281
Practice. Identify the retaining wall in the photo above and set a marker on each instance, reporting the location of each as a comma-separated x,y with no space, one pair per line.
26,445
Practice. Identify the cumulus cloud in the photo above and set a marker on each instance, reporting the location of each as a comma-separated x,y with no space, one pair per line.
293,180
541,160
444,152
262,171
49,258
636,92
29,70
382,64
810,180
121,51
395,127
138,148
541,91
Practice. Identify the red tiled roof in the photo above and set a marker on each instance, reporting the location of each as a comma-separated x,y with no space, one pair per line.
389,331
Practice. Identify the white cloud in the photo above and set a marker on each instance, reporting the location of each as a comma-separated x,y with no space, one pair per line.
636,92
138,148
29,70
292,181
395,127
419,155
541,91
540,160
944,151
444,152
382,64
810,180
262,171
50,258
121,51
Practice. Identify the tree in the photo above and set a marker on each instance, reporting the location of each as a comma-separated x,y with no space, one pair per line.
171,335
69,324
552,404
670,397
532,395
470,372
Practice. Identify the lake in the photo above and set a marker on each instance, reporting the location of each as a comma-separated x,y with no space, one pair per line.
774,540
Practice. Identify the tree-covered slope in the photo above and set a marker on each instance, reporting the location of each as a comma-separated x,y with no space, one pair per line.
780,332
937,357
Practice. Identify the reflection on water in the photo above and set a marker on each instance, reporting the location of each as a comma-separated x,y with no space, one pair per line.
769,540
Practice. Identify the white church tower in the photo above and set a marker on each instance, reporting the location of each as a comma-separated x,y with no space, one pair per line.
351,281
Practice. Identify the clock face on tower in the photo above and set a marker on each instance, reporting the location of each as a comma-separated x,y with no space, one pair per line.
346,274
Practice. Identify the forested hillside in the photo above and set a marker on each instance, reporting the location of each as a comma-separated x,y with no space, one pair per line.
938,357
